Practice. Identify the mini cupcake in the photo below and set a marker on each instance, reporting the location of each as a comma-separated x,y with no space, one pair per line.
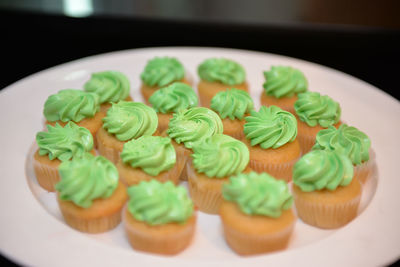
325,193
314,112
214,160
271,138
56,145
282,84
90,197
219,74
232,105
256,213
170,99
159,218
124,121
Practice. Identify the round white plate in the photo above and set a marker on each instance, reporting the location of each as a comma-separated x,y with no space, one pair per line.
32,231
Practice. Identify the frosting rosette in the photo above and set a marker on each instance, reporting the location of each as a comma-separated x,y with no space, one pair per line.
159,203
222,70
110,86
258,194
174,97
232,103
87,178
128,120
153,154
220,156
192,126
161,71
64,143
316,109
71,105
284,81
271,127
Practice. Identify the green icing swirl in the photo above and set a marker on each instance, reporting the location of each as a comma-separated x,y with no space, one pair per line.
314,109
159,203
258,194
71,105
282,81
232,103
87,178
192,126
320,169
161,71
64,143
129,120
153,154
271,127
220,156
222,70
347,140
110,86
173,98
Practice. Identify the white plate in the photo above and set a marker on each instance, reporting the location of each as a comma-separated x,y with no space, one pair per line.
32,231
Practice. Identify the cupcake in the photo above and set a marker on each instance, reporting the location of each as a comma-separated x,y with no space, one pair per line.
159,218
325,193
90,196
124,121
232,105
214,160
256,213
170,99
271,138
219,74
282,84
56,145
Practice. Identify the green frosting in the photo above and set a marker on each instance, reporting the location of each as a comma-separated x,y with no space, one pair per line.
347,140
232,103
64,143
220,156
314,109
320,169
271,127
159,203
192,126
87,178
222,70
153,154
129,120
282,81
161,71
173,98
71,105
110,86
258,194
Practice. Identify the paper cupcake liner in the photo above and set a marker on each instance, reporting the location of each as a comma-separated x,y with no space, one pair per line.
281,171
364,171
108,152
306,143
47,176
182,155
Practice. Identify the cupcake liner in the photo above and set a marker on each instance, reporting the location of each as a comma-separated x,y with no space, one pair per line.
108,152
47,176
364,171
306,143
182,156
281,171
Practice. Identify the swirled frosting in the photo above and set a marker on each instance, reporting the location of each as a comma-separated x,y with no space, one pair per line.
161,71
232,103
127,120
159,203
173,98
220,156
283,81
347,140
87,178
320,169
222,70
271,127
64,143
153,154
258,194
71,105
192,126
314,109
110,86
